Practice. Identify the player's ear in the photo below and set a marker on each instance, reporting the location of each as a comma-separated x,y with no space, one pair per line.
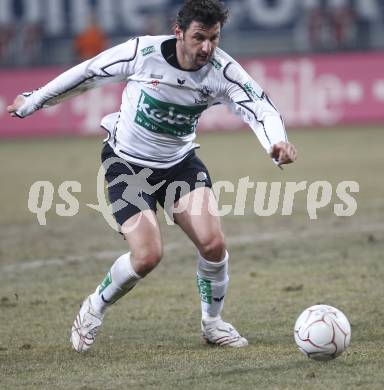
178,32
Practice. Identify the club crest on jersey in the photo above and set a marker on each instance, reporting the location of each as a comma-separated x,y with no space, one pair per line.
167,118
181,82
204,94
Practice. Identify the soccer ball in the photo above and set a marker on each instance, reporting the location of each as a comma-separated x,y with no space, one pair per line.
322,332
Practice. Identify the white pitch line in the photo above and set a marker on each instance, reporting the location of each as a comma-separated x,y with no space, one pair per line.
232,241
38,263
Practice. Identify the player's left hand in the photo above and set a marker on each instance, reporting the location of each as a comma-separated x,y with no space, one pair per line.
284,153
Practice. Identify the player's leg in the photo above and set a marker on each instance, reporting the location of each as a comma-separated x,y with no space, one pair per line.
142,233
143,236
196,213
205,231
198,218
134,210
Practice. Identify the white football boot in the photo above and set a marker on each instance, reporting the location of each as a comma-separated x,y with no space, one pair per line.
85,327
222,333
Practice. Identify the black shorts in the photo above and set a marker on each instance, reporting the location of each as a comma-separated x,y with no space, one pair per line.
132,188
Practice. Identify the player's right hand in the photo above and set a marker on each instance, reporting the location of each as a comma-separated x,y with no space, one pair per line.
17,103
283,153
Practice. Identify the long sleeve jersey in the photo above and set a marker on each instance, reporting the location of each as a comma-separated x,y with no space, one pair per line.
161,103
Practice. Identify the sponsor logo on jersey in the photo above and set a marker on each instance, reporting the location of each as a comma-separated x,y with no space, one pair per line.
251,91
167,118
154,85
147,50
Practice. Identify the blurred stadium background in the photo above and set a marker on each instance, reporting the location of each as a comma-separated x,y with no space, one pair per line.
321,62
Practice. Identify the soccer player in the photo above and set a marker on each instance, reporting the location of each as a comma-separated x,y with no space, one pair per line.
171,80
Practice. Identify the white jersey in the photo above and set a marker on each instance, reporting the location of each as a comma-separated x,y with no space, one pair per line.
161,103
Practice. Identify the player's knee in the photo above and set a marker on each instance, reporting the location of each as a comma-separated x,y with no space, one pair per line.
146,259
213,249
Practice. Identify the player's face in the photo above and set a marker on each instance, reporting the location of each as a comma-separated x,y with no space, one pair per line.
196,45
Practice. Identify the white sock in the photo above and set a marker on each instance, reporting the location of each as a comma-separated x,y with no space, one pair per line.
212,281
119,280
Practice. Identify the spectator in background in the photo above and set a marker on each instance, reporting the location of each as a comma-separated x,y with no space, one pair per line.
343,18
7,36
91,41
32,43
20,44
331,24
319,28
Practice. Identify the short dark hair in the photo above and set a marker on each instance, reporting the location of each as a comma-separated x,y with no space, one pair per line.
206,12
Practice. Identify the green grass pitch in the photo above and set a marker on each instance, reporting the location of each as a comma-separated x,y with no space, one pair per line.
151,338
